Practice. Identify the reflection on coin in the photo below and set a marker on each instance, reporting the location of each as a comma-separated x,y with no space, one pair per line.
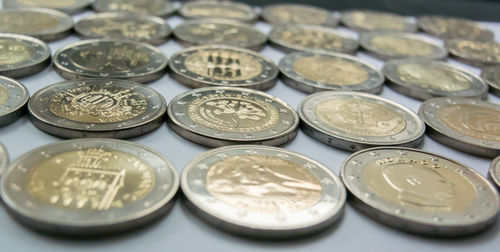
68,6
220,31
264,192
476,53
45,24
22,55
151,7
363,20
491,76
123,26
494,172
450,28
298,14
89,187
220,65
104,58
218,9
425,79
13,99
420,192
312,72
4,159
468,125
396,45
218,116
353,121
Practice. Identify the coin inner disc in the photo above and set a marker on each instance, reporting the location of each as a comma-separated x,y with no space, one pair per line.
4,95
330,71
432,76
402,46
14,52
27,22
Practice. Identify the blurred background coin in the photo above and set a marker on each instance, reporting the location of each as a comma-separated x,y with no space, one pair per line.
4,159
22,55
365,20
494,172
451,27
68,6
150,7
218,9
491,75
298,14
475,53
13,99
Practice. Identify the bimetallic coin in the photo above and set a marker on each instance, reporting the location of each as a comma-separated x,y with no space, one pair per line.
220,65
4,159
45,24
312,72
13,99
150,7
68,6
97,108
491,76
218,116
468,125
218,9
263,192
353,121
494,172
298,14
396,45
22,55
476,53
420,192
450,28
105,58
425,79
124,26
363,20
220,31
312,38
89,187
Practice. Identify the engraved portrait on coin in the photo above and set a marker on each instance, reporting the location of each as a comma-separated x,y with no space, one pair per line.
298,14
476,53
13,99
363,21
22,55
452,27
219,9
68,6
150,7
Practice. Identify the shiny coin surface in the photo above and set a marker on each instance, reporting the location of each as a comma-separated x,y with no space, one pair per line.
450,28
124,26
491,76
298,14
311,72
468,125
218,9
218,116
395,45
425,79
4,159
89,187
68,6
22,55
220,31
115,59
362,20
494,172
150,7
261,191
312,38
219,65
97,108
13,99
353,121
476,53
45,24
420,192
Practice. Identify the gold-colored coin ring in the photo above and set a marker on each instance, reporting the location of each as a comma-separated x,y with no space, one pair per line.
428,23
320,16
477,58
210,9
494,172
408,24
491,75
70,7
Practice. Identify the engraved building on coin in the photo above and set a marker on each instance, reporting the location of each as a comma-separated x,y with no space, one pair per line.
13,99
22,55
150,7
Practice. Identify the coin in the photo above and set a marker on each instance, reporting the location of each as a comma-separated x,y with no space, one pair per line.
298,14
97,108
13,99
123,26
220,31
219,65
353,121
396,45
476,53
151,7
218,116
105,58
89,187
420,192
219,9
494,172
425,79
450,28
364,20
4,159
491,76
261,191
468,125
22,55
68,6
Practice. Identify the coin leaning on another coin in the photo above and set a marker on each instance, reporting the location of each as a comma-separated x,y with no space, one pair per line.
22,55
13,99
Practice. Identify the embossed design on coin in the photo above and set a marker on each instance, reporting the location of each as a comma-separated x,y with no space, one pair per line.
151,7
220,9
314,68
298,14
13,99
22,55
491,75
362,20
494,172
70,6
477,53
451,27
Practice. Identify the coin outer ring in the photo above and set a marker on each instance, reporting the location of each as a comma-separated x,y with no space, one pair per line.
4,159
263,81
100,7
349,142
374,83
35,64
78,7
17,109
450,137
266,15
424,21
345,19
278,227
488,76
406,219
478,89
457,55
91,223
251,16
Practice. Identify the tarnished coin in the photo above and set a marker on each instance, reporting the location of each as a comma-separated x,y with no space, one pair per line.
4,159
312,72
364,20
150,7
220,65
476,53
22,55
220,31
425,79
468,125
420,192
218,116
312,38
494,172
68,6
218,9
491,76
298,14
13,99
105,58
353,121
396,45
97,108
263,192
89,187
450,28
45,24
124,26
